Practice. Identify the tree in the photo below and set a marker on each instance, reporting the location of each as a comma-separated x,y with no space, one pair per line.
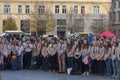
42,19
99,25
9,24
75,21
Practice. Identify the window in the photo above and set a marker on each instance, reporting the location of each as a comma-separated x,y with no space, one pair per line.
27,10
76,9
64,9
83,10
119,15
57,9
119,4
114,4
7,9
41,9
19,9
96,10
114,14
61,21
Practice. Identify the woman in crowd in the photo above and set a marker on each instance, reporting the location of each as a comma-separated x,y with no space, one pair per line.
45,60
100,59
27,55
70,56
115,52
108,60
85,59
78,57
52,49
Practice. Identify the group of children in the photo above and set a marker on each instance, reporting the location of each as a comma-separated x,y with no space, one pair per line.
100,56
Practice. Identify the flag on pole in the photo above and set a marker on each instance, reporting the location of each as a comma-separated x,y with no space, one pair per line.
82,12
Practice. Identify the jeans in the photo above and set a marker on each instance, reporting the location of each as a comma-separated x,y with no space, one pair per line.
115,67
45,64
109,67
78,64
71,63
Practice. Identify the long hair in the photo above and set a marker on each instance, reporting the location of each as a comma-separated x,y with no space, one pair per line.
70,45
79,45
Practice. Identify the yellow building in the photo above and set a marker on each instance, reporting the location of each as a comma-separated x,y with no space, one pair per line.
85,11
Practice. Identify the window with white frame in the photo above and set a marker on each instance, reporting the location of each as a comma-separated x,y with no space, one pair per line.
19,9
96,10
41,9
27,10
57,9
119,15
76,9
64,9
6,9
82,10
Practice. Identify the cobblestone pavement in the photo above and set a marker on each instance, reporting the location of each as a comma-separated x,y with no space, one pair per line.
40,75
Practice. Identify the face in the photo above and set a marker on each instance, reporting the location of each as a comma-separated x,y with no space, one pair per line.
61,41
52,41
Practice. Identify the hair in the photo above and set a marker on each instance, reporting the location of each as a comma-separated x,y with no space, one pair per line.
70,45
108,45
79,45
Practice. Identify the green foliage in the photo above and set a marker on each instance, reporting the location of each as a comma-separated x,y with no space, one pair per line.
9,24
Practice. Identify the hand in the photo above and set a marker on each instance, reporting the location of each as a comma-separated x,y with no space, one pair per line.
119,59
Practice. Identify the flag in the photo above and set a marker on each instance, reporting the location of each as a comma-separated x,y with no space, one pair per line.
82,12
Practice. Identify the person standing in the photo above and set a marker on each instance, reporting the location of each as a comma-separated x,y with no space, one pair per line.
85,61
27,55
44,53
108,60
115,52
78,57
52,49
61,50
70,56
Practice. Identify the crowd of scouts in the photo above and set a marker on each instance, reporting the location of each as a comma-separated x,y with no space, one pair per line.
73,56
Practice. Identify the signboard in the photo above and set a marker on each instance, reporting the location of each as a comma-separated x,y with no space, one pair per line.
16,16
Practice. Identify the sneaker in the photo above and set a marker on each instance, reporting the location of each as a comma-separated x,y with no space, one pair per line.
116,77
87,73
113,76
84,73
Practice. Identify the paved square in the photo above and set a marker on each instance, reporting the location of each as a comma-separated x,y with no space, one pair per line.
40,75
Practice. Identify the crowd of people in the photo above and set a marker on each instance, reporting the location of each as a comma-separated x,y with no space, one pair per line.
100,56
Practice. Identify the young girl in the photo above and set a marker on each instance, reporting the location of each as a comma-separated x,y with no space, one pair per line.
78,57
108,60
100,59
1,62
115,51
52,49
70,56
44,51
85,60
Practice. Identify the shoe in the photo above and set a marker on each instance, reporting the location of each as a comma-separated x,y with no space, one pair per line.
87,73
113,76
116,77
84,73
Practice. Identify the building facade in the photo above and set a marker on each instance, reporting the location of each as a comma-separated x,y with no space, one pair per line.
71,15
115,16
